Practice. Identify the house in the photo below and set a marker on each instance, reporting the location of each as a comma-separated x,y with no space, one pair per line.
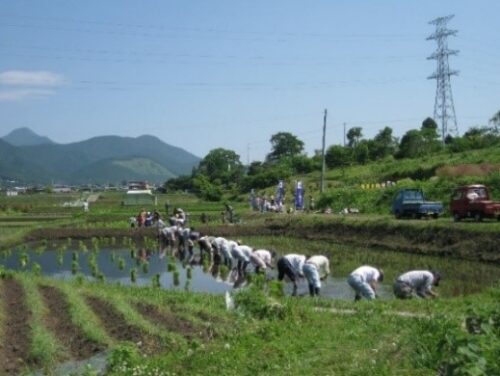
139,194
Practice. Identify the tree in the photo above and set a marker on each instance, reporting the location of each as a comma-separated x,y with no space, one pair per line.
361,152
221,164
337,156
383,144
354,136
284,144
255,168
411,144
430,136
495,120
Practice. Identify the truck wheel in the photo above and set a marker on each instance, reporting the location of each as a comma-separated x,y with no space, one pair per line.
456,217
478,217
397,215
435,216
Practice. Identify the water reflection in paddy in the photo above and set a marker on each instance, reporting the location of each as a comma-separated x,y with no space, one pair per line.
116,265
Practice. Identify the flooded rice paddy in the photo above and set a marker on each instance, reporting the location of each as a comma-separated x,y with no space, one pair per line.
129,264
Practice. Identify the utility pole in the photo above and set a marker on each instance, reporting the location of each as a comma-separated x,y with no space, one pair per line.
444,108
322,187
248,154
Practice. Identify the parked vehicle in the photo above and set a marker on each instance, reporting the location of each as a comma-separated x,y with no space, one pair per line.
473,201
412,203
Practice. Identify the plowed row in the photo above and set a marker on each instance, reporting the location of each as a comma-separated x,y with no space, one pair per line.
15,333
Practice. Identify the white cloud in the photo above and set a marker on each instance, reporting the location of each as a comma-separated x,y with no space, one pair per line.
31,78
20,94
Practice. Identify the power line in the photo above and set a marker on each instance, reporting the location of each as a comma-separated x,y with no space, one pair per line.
206,30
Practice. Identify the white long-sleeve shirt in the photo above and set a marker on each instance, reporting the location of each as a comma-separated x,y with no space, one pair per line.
367,273
322,264
420,280
297,262
264,255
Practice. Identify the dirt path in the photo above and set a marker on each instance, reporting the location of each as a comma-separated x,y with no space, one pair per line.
16,333
170,321
59,322
118,328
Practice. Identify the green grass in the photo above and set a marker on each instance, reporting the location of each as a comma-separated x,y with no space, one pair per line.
45,349
81,315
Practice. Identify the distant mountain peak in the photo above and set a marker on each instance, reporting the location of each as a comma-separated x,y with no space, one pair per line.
26,137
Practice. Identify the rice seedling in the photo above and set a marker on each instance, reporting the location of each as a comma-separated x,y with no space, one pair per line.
133,275
176,276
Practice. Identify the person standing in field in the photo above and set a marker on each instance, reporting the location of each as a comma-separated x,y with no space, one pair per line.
316,269
291,266
416,282
364,280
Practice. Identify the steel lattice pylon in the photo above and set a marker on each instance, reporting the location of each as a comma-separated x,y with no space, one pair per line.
444,109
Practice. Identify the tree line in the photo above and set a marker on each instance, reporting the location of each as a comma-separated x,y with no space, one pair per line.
221,170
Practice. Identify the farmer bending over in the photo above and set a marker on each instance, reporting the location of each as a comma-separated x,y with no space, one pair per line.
316,269
364,280
291,266
416,282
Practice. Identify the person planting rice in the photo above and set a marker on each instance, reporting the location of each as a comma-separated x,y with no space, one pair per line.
364,280
261,259
416,283
315,269
291,266
205,244
241,253
222,248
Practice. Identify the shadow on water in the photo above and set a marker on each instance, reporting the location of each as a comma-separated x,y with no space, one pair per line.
145,267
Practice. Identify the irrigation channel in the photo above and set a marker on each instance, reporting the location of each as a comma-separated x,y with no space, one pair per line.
146,266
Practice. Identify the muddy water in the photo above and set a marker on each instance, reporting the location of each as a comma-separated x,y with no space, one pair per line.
460,277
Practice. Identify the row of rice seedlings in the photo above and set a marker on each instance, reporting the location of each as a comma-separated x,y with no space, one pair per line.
81,314
44,348
24,259
122,305
40,249
82,246
6,253
36,269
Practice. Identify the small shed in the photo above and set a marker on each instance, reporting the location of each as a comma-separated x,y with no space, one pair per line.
140,197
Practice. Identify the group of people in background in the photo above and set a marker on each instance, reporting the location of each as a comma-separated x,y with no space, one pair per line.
235,255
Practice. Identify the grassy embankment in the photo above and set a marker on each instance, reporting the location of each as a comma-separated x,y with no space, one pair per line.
431,173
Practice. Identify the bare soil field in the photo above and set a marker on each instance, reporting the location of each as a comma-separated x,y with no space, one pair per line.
16,332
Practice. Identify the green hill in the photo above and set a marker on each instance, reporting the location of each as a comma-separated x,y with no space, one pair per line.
100,160
115,169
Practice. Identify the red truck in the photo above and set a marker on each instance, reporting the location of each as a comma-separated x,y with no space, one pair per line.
473,201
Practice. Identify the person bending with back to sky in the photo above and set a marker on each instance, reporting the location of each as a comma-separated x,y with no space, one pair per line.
364,280
417,283
316,269
291,265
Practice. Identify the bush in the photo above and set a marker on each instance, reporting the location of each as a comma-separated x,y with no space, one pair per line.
257,300
124,355
475,351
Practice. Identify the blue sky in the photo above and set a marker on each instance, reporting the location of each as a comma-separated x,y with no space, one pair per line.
225,73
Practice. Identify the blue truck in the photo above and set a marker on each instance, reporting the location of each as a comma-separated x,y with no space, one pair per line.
411,203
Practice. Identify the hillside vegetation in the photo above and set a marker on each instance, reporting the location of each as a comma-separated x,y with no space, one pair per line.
105,159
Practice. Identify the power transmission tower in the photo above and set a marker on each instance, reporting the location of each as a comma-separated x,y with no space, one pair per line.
444,109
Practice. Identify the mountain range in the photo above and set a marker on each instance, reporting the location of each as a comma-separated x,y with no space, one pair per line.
29,158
